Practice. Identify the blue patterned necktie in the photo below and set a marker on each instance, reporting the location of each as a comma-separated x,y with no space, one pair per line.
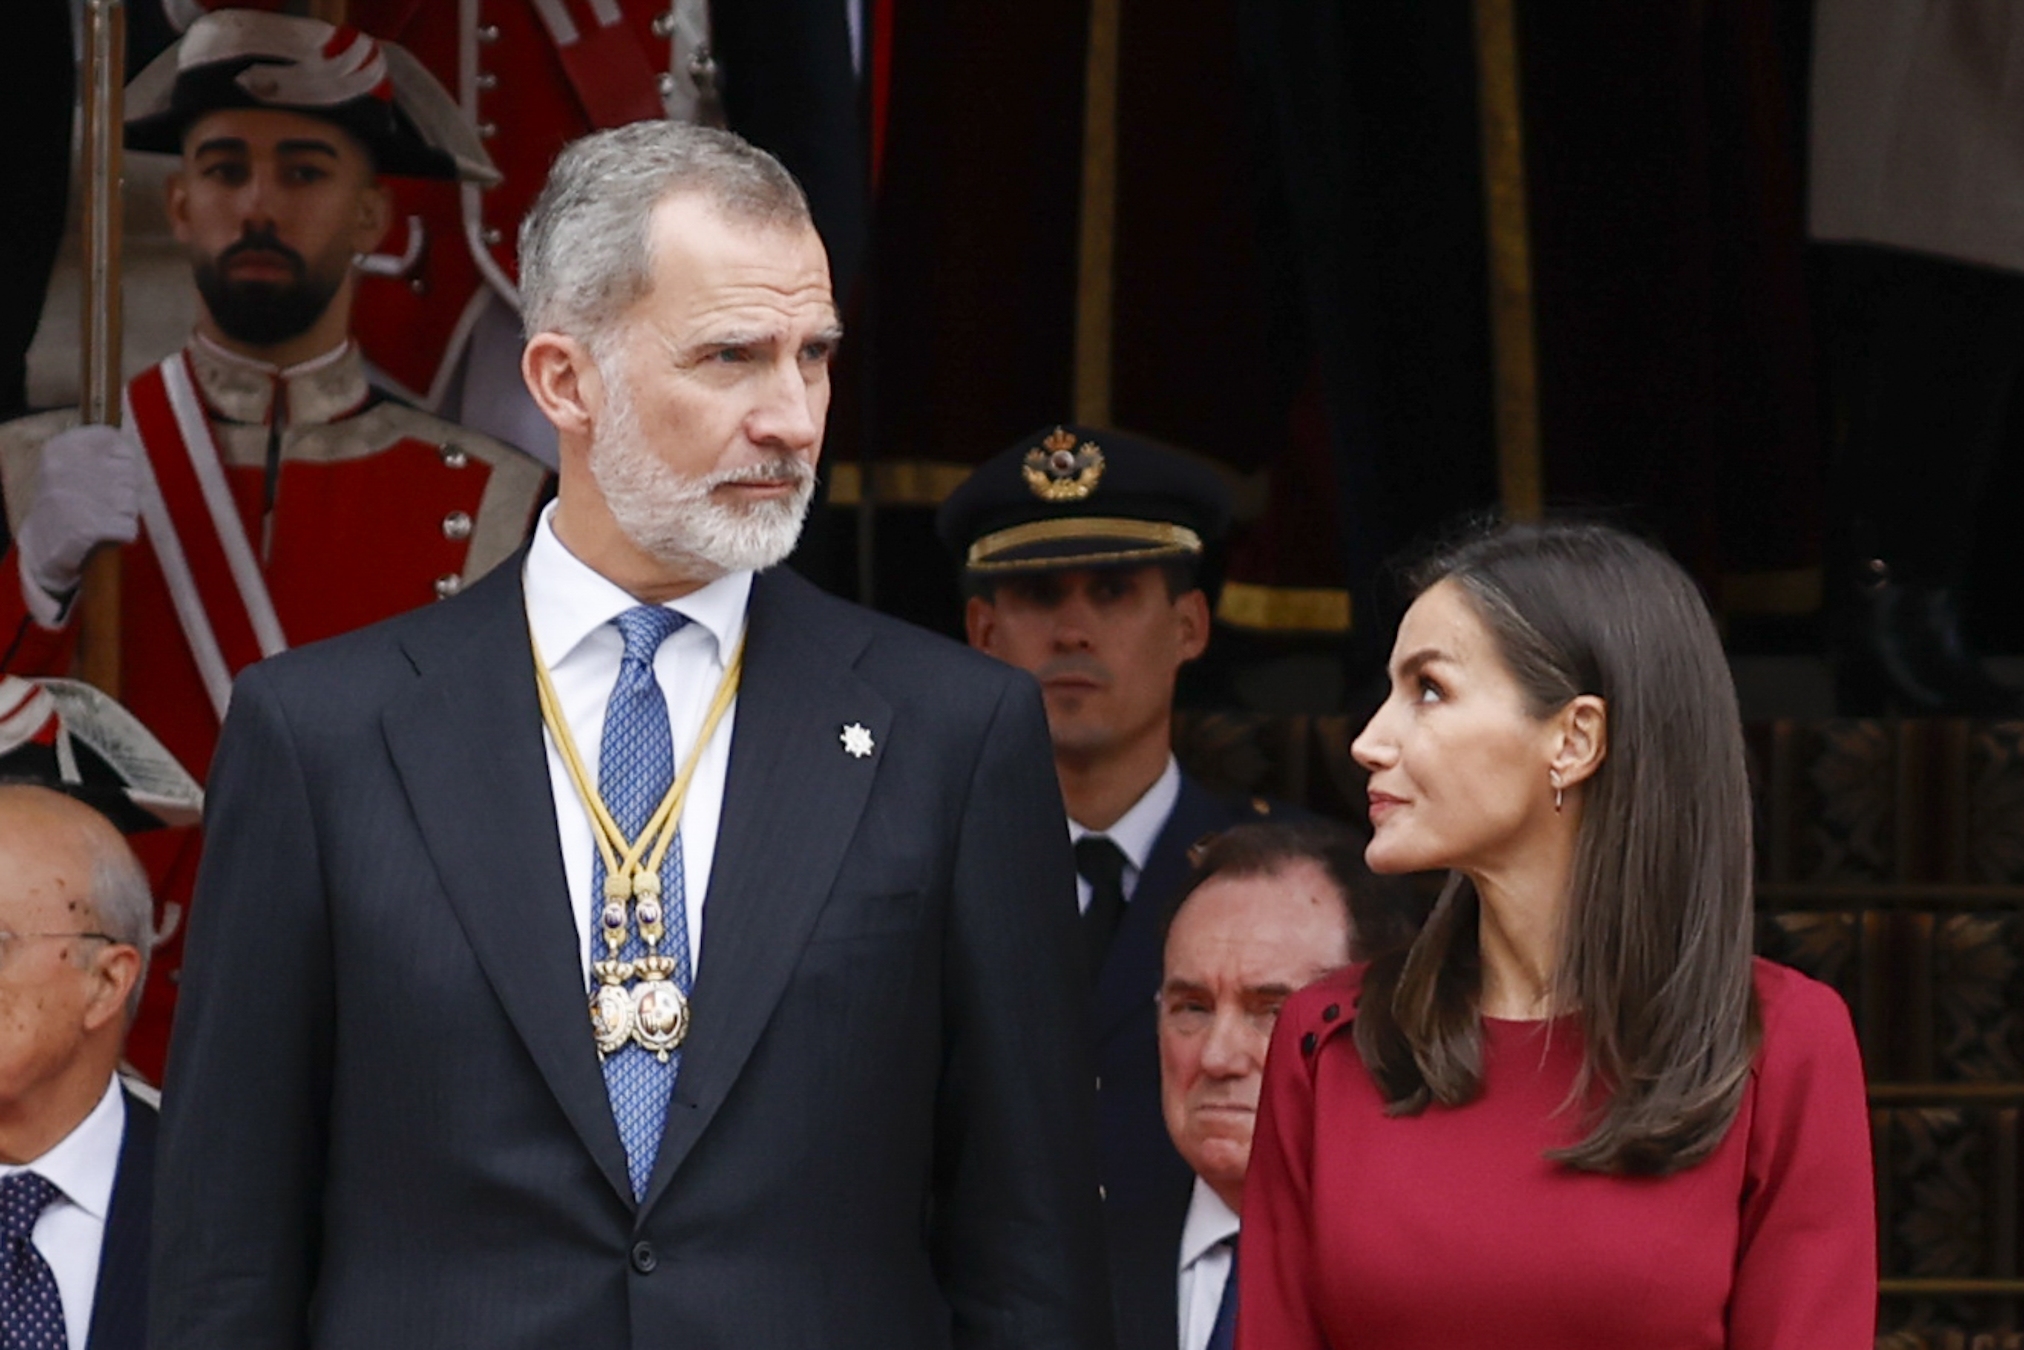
31,1311
635,767
1223,1334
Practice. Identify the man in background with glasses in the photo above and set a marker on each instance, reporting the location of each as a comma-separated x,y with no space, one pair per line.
76,1149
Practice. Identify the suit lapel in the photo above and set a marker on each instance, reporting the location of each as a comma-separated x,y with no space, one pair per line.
119,1305
1145,1253
792,800
1131,970
468,748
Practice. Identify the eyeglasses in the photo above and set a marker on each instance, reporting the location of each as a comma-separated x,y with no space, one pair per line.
7,940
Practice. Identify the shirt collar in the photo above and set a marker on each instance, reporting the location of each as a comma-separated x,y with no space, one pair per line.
241,389
83,1163
568,600
1209,1222
1138,829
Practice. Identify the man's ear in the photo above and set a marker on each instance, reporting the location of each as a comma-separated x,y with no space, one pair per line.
1583,739
1191,613
176,199
565,382
980,623
113,972
375,217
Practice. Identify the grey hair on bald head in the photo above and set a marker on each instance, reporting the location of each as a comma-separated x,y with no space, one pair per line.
121,901
586,251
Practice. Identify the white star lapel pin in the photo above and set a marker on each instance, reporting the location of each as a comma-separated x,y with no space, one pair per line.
857,741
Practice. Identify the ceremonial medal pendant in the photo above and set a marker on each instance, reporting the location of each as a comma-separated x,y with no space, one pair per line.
611,1011
660,1014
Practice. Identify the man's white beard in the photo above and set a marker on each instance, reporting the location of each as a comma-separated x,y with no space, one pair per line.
672,517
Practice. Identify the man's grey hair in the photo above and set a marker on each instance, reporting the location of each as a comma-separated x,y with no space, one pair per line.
120,900
586,252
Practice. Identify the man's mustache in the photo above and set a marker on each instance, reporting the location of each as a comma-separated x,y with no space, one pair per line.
263,241
784,469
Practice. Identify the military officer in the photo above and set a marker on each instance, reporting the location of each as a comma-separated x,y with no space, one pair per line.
1084,554
263,493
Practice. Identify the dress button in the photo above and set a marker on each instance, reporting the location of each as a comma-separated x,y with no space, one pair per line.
453,458
1328,1014
487,130
643,1258
664,24
457,525
487,80
488,32
491,235
1307,1044
447,586
665,81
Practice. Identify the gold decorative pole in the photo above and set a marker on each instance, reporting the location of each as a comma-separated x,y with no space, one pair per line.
98,637
1094,281
1513,352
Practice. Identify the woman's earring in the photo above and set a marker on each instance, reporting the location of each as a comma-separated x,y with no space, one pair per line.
1559,794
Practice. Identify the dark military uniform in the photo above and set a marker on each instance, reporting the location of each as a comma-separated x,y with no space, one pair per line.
1069,497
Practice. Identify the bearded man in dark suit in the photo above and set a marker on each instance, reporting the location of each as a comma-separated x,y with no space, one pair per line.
641,948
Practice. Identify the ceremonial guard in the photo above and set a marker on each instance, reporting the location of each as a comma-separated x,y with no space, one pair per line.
1084,558
441,314
265,494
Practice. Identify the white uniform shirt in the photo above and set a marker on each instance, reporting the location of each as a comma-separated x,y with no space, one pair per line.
1205,1264
570,608
71,1232
1136,831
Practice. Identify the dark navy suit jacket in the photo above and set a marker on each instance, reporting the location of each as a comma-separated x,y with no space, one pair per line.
119,1307
387,1124
1137,1159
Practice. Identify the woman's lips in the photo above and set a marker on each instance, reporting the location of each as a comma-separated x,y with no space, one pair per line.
1382,804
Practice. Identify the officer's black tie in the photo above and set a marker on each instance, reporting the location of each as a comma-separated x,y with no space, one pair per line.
1101,863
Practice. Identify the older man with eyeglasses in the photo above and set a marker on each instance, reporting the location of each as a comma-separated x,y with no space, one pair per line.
76,1149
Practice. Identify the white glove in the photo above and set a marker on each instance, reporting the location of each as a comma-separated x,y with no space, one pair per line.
87,495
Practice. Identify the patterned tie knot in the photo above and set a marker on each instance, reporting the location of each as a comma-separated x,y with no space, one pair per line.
23,1197
645,628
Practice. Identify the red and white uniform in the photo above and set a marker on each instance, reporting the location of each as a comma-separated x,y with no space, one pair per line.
378,509
532,75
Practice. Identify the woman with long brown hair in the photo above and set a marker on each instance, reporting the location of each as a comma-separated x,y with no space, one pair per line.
1575,1112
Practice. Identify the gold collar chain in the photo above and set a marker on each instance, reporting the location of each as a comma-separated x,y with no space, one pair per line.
635,1001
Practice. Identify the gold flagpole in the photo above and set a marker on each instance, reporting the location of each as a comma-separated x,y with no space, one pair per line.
98,637
1513,351
1094,280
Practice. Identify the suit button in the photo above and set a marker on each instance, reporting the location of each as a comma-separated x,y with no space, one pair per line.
1307,1043
1331,1012
643,1258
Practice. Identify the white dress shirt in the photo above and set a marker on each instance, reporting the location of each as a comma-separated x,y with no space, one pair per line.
71,1232
1136,831
1205,1264
570,608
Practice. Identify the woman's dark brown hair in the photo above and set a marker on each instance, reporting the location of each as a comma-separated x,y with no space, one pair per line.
1656,944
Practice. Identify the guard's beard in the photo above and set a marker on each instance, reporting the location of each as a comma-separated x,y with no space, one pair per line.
266,313
672,518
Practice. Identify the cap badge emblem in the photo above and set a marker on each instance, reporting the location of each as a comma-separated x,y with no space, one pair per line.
1057,470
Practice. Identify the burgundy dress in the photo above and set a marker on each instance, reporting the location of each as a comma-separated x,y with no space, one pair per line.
1450,1230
